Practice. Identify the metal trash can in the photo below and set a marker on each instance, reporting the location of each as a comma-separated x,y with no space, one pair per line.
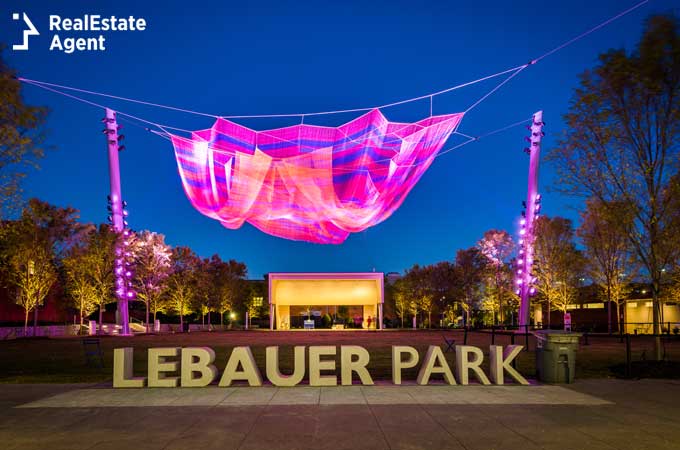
556,355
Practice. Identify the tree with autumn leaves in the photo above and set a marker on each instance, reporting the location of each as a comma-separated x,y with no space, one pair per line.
152,267
204,285
88,270
22,135
621,146
498,248
558,264
31,251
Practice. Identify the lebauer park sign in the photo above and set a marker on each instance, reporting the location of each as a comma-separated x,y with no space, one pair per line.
196,368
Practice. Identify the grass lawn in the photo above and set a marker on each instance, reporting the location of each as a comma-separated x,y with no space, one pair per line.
61,360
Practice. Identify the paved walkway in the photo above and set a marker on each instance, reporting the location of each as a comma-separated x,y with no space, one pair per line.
305,395
592,414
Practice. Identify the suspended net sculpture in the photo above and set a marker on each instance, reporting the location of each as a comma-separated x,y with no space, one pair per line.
309,183
304,182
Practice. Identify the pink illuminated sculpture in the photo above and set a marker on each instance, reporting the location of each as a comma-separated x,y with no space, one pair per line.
305,182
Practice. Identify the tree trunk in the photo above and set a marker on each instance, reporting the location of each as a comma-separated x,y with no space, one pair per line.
26,322
501,317
500,296
656,301
618,316
429,319
548,312
209,319
146,316
101,317
35,320
609,308
181,323
221,318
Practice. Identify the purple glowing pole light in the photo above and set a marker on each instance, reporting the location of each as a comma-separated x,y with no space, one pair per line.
525,279
117,215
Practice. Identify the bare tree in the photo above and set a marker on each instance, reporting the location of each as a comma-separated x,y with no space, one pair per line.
622,143
470,267
608,251
557,263
443,282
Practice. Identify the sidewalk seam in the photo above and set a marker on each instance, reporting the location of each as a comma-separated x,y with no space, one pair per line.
446,430
375,418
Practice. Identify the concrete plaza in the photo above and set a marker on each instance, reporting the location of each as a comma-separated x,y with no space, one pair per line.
590,414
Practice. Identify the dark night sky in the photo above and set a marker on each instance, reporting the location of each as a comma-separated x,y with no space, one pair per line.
248,57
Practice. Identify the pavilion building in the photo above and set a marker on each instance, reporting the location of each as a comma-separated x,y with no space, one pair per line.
292,295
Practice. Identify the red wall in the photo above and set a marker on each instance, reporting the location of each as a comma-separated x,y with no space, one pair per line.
53,311
585,319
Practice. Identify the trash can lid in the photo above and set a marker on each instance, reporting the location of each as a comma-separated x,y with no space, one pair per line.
557,335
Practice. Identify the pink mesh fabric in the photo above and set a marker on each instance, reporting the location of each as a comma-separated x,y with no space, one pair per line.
305,182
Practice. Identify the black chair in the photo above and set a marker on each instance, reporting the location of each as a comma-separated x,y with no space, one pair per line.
450,344
93,352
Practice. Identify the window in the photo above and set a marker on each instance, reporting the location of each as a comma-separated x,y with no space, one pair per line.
594,306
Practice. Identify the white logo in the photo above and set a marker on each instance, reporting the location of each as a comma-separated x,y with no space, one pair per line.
32,31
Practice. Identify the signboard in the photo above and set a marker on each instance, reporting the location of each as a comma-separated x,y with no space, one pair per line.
195,366
567,321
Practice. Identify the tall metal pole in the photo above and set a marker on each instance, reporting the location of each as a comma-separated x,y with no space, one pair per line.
525,279
122,274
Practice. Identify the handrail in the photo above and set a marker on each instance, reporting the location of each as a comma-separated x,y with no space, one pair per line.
139,322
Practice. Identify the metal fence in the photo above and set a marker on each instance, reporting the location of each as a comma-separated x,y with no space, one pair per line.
622,354
8,333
